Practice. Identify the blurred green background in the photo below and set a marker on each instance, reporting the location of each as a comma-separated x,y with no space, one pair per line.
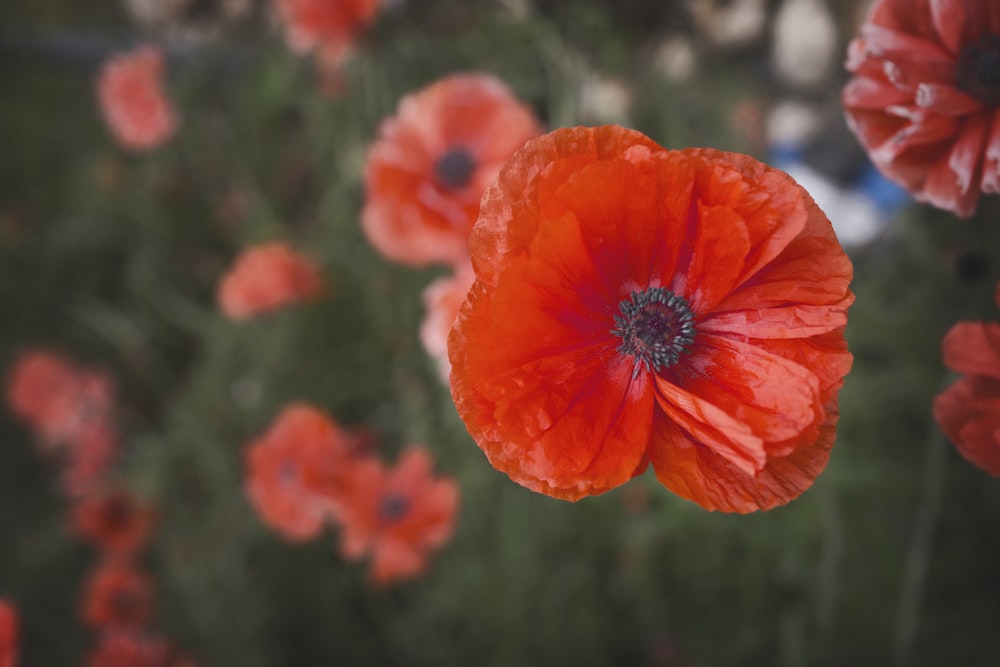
113,258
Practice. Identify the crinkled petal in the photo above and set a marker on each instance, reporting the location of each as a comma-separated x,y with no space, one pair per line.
775,397
626,229
720,248
798,321
709,425
509,211
699,473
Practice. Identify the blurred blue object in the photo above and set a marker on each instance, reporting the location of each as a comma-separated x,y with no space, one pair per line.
859,201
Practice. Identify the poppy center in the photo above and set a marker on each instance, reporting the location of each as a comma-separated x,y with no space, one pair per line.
288,473
655,326
393,507
454,169
978,71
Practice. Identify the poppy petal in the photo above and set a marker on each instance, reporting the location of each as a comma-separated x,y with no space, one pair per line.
697,472
775,397
728,437
717,254
826,355
991,166
973,347
800,321
624,226
969,413
873,94
509,215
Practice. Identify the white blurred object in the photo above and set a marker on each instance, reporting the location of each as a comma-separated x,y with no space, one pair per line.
791,122
674,58
856,218
805,43
519,9
730,23
196,20
604,100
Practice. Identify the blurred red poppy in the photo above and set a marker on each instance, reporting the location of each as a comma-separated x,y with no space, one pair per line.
90,457
969,410
117,595
296,471
71,410
327,27
925,95
113,521
267,277
58,400
399,516
130,648
9,632
634,305
133,101
427,172
442,299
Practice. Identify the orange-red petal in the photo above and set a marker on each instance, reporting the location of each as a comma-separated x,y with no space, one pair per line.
969,413
698,473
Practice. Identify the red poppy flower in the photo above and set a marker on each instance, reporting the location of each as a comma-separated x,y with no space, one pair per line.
132,98
71,411
427,172
326,26
295,471
113,521
442,299
117,595
969,410
58,400
925,95
634,304
398,515
8,635
267,277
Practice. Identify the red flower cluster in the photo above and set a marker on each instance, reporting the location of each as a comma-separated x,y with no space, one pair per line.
969,410
133,101
635,305
305,471
425,175
327,27
268,277
925,98
8,635
118,599
71,411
